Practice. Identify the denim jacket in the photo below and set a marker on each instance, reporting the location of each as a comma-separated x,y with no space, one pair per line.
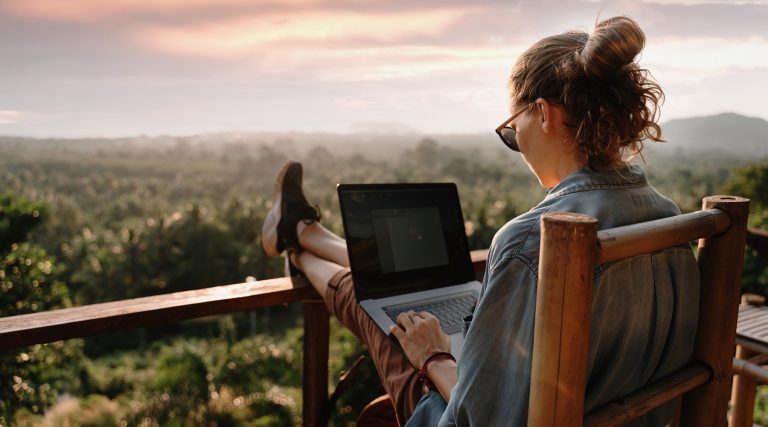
644,309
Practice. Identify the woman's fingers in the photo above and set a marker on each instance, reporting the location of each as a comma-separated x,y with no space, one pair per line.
405,319
419,335
410,318
397,331
429,316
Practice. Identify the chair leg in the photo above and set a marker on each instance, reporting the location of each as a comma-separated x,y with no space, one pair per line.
675,422
743,394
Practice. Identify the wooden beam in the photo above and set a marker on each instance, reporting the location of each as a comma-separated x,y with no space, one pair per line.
93,319
54,325
621,411
744,390
563,313
479,257
749,368
631,240
720,259
315,384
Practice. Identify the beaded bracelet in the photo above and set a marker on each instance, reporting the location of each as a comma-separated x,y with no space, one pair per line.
440,355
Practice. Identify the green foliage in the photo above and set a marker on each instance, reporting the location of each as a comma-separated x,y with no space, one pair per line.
117,374
178,394
187,249
752,182
18,216
687,179
761,406
755,274
256,364
201,382
27,274
28,283
182,374
31,378
92,411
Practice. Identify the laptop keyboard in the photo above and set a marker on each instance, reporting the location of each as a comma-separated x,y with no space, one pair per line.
451,311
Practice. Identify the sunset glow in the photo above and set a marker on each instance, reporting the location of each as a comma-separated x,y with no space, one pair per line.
9,117
91,10
126,67
244,35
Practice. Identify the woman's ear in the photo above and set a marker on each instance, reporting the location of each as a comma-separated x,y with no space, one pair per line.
546,114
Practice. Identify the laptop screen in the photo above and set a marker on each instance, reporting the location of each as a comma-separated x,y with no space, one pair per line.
404,237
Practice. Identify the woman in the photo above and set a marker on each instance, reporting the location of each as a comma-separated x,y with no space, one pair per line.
580,108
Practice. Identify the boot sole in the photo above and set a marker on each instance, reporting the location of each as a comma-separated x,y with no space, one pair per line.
269,229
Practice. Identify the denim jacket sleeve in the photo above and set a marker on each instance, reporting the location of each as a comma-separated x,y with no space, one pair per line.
499,339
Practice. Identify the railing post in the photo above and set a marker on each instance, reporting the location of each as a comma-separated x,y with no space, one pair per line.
563,313
743,393
721,260
316,336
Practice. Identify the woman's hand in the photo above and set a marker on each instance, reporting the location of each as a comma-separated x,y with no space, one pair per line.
420,336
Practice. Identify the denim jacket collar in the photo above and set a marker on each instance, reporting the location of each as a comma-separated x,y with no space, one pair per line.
591,179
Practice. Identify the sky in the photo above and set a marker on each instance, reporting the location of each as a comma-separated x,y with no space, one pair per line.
110,68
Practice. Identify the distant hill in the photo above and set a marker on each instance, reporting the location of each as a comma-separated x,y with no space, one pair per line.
727,132
724,135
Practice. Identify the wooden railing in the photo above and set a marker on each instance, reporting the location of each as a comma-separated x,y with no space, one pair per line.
74,322
37,328
758,240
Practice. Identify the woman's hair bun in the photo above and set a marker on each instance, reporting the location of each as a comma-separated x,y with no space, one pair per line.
614,44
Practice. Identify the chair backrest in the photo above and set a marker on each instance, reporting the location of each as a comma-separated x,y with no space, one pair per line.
571,247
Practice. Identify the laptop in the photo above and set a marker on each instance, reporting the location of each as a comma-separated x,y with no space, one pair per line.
408,251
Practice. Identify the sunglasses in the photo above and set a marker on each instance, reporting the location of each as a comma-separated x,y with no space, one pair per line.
507,134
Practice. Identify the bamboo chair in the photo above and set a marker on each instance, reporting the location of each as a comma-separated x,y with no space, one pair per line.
570,248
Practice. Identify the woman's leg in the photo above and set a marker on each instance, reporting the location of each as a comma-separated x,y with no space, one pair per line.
319,271
334,283
397,375
323,254
322,257
315,238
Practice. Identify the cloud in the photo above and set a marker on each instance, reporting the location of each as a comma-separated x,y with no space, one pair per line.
722,19
732,89
7,116
254,33
334,46
706,2
682,60
100,10
412,63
